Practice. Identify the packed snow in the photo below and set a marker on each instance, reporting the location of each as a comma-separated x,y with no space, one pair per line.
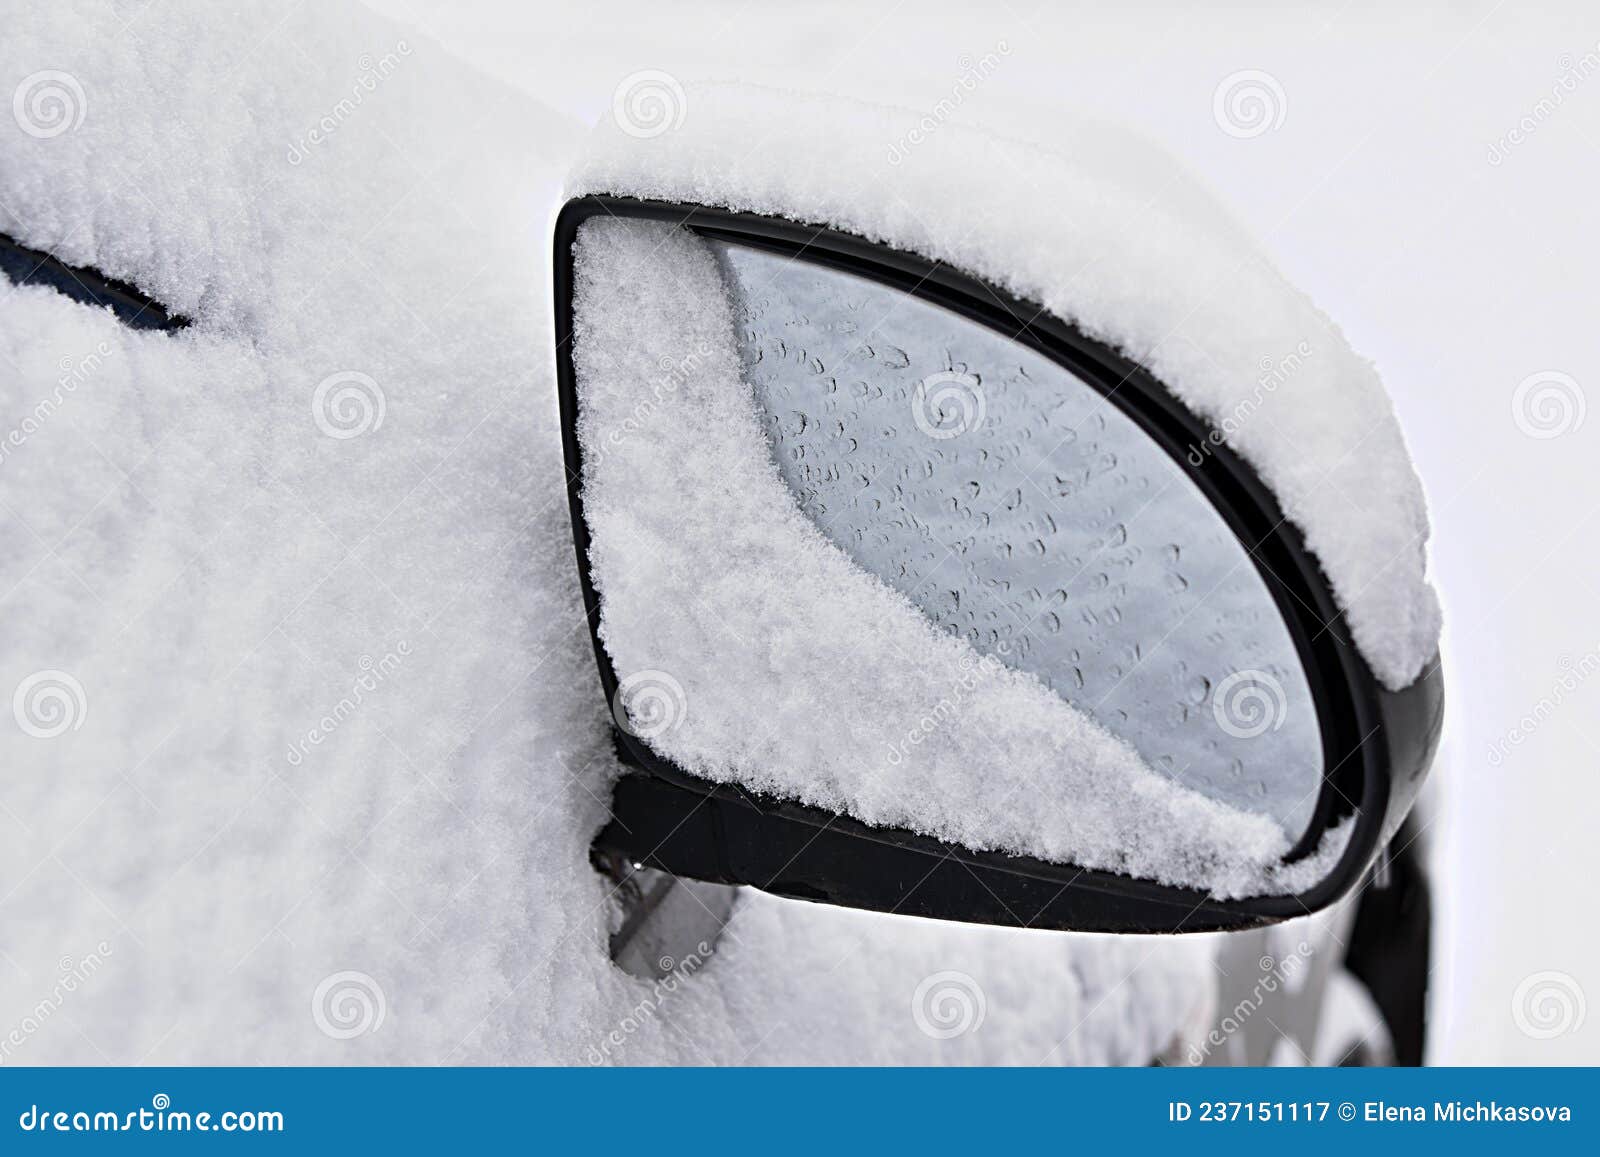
315,746
1378,177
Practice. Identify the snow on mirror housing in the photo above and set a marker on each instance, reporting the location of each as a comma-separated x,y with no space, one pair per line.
907,595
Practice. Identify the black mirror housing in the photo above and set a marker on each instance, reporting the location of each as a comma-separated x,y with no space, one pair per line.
1377,743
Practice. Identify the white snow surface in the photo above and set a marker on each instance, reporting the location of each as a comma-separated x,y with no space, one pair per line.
1391,198
223,579
1116,239
761,654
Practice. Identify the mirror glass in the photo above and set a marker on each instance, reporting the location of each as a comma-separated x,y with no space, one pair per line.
1018,508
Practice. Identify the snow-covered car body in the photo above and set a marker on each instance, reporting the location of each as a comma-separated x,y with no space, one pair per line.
299,575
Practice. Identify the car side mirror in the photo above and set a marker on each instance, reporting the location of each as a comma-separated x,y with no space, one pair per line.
909,594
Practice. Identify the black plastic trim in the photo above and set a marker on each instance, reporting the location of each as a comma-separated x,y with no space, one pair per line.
1374,740
1389,945
25,266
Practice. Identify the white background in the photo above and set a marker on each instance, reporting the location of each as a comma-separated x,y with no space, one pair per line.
1376,193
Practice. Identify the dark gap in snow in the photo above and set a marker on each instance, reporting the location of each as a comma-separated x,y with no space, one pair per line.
25,266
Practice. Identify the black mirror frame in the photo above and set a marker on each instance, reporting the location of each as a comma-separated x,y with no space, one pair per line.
1378,744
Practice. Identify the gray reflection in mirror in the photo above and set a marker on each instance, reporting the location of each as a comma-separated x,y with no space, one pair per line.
1019,509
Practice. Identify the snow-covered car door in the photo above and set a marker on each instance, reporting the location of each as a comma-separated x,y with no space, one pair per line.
306,749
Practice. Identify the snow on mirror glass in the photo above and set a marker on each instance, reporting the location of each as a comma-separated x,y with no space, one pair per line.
823,579
1019,509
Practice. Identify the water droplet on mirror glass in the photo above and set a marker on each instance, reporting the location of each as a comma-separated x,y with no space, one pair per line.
1060,525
